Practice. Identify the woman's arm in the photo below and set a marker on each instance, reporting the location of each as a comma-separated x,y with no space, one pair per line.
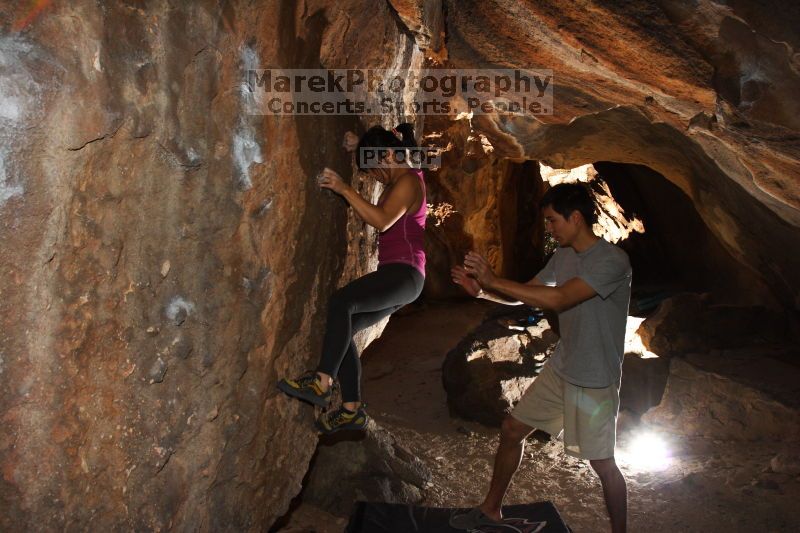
381,217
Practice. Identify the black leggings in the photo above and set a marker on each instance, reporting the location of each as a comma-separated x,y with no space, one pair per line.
358,305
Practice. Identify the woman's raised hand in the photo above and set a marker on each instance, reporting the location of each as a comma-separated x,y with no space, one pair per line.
329,179
350,142
467,282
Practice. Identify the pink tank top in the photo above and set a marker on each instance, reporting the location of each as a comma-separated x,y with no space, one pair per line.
404,242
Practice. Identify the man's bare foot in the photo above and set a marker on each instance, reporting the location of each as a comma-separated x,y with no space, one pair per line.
471,520
494,514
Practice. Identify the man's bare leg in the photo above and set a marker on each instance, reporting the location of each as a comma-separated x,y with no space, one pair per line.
615,492
506,462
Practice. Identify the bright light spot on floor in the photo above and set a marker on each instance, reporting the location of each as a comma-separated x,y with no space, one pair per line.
633,342
647,451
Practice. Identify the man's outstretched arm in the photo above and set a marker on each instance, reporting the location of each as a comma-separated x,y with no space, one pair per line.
468,283
558,299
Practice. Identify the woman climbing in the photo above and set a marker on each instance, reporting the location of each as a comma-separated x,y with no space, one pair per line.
399,216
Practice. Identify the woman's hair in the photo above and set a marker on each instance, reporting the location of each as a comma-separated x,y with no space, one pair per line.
400,137
566,198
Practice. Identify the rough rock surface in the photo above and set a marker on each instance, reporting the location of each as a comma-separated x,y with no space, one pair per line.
490,369
368,466
481,203
166,257
700,93
425,20
307,518
692,323
731,395
787,462
613,223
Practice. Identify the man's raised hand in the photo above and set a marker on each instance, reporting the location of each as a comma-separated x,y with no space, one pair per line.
461,277
478,267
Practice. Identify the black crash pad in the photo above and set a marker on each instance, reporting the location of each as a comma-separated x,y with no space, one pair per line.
539,517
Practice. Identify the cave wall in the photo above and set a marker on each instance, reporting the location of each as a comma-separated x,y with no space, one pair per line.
166,257
702,93
491,207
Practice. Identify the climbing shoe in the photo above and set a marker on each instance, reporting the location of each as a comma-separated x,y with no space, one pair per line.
307,388
341,418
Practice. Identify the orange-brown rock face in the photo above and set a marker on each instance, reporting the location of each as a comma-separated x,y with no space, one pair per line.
483,203
165,258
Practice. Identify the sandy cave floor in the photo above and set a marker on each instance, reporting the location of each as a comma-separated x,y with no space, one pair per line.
709,485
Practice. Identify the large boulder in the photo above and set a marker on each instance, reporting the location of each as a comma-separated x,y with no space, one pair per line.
490,369
692,323
643,382
368,466
735,394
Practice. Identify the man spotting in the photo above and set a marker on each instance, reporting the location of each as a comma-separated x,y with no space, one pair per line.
587,282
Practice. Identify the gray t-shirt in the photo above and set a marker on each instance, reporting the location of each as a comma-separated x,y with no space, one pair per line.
593,332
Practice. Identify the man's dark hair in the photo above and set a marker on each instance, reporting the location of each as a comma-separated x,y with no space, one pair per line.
565,198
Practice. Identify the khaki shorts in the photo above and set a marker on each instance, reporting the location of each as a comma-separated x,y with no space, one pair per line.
587,416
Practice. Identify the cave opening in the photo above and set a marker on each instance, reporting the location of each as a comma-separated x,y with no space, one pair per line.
676,252
670,247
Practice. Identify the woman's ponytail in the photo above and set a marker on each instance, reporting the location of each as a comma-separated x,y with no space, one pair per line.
405,133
